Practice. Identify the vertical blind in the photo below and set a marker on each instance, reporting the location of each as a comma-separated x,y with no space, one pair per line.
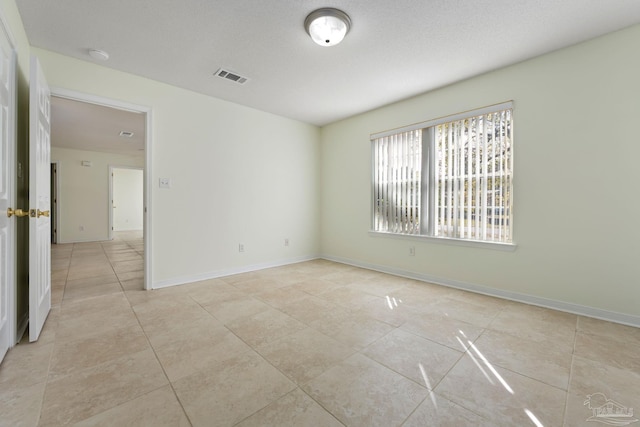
396,182
471,196
474,178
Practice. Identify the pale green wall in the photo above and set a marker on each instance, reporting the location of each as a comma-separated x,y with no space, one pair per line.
576,201
84,192
238,175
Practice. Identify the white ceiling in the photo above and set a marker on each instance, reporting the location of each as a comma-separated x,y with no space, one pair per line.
395,50
83,126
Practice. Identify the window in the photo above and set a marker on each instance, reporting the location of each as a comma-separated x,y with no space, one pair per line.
448,178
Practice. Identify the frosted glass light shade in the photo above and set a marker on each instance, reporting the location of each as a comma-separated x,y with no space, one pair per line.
327,27
100,55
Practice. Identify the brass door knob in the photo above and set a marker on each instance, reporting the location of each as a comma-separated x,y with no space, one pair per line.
17,212
43,213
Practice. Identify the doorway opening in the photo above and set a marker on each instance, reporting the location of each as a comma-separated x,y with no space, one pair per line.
126,193
92,138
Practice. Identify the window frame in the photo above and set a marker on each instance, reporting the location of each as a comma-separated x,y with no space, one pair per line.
429,181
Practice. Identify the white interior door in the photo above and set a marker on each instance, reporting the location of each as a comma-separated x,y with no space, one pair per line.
7,195
39,200
127,187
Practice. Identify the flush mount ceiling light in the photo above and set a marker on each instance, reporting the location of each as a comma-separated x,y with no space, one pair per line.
100,55
327,26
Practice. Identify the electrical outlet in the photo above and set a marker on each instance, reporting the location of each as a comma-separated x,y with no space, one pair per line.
165,182
286,242
241,247
412,251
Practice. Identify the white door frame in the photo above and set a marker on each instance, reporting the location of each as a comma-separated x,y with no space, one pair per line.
111,168
148,111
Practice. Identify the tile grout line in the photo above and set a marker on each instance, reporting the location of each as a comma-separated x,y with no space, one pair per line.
59,305
247,351
155,354
298,386
142,329
66,279
159,362
112,267
355,351
573,358
485,332
46,381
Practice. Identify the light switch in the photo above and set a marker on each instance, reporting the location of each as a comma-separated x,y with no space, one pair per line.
165,183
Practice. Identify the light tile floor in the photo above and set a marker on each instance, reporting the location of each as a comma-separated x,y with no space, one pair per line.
309,344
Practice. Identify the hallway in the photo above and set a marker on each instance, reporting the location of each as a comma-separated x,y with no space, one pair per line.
83,270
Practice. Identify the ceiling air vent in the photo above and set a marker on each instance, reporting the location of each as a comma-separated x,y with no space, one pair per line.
225,74
126,134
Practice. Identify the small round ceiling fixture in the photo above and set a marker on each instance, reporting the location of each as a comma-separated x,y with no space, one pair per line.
327,26
100,55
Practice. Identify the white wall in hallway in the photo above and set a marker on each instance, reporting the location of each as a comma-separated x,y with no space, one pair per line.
84,192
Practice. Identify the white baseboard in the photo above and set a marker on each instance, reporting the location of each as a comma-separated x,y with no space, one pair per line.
88,240
612,316
228,272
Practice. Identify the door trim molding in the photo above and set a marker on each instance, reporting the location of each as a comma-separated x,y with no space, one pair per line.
148,111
